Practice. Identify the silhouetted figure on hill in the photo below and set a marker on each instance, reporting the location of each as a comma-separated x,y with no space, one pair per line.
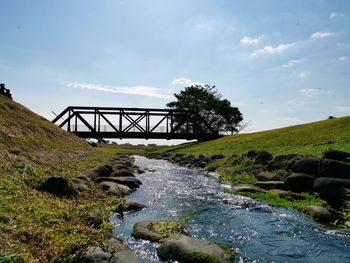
4,91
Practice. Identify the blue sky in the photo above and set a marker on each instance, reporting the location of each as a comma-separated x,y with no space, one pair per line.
280,62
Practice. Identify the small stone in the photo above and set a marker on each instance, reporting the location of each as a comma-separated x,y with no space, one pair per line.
249,188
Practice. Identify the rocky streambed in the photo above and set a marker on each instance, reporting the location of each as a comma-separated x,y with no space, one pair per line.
258,232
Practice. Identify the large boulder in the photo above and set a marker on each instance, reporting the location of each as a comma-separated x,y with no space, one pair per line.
333,190
320,213
286,157
337,155
299,182
271,176
305,166
113,251
93,173
119,166
131,182
187,249
277,165
157,231
122,173
95,254
115,189
332,168
58,186
261,157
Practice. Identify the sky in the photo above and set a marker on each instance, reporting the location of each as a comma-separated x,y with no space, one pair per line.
280,62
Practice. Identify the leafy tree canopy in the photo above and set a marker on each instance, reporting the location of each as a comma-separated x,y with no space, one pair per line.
208,102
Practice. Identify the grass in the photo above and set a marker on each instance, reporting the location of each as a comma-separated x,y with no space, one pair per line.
309,139
38,226
288,201
28,138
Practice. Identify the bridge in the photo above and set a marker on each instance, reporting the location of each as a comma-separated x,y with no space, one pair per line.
143,123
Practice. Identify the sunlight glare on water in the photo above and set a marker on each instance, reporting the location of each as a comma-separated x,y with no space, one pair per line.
260,233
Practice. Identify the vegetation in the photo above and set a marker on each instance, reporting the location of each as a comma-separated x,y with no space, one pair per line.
36,226
218,112
307,139
288,201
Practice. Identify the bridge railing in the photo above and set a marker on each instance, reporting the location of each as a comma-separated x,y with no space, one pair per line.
111,122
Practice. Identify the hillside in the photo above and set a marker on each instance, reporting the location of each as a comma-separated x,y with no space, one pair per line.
28,138
312,138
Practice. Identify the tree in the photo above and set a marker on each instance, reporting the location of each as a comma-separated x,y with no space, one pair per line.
208,103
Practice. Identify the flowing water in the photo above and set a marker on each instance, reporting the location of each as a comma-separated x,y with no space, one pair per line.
259,233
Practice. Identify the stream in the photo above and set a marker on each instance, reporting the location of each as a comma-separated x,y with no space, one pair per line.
259,233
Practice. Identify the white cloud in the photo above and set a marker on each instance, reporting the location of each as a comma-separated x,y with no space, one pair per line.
310,93
292,62
186,82
342,108
247,41
269,50
133,90
343,58
322,34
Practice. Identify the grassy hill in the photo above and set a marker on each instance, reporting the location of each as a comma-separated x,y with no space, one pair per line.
28,138
312,138
36,226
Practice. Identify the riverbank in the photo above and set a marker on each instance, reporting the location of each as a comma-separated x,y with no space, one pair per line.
37,226
228,157
49,224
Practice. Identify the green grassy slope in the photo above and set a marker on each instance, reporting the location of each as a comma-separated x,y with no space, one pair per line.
28,138
312,138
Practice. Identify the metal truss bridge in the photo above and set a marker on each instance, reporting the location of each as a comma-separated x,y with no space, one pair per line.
144,123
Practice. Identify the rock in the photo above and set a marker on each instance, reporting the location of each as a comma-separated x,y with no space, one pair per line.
94,217
114,188
58,186
156,231
337,155
305,166
113,252
83,178
131,182
80,184
118,166
267,185
249,188
95,254
121,253
286,157
277,165
187,249
122,173
286,194
131,205
261,157
217,156
333,190
140,171
320,213
299,182
98,171
270,176
335,169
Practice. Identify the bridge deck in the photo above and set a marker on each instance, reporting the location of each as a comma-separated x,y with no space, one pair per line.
146,123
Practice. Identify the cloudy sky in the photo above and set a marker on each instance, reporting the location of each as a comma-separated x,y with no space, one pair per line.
281,62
